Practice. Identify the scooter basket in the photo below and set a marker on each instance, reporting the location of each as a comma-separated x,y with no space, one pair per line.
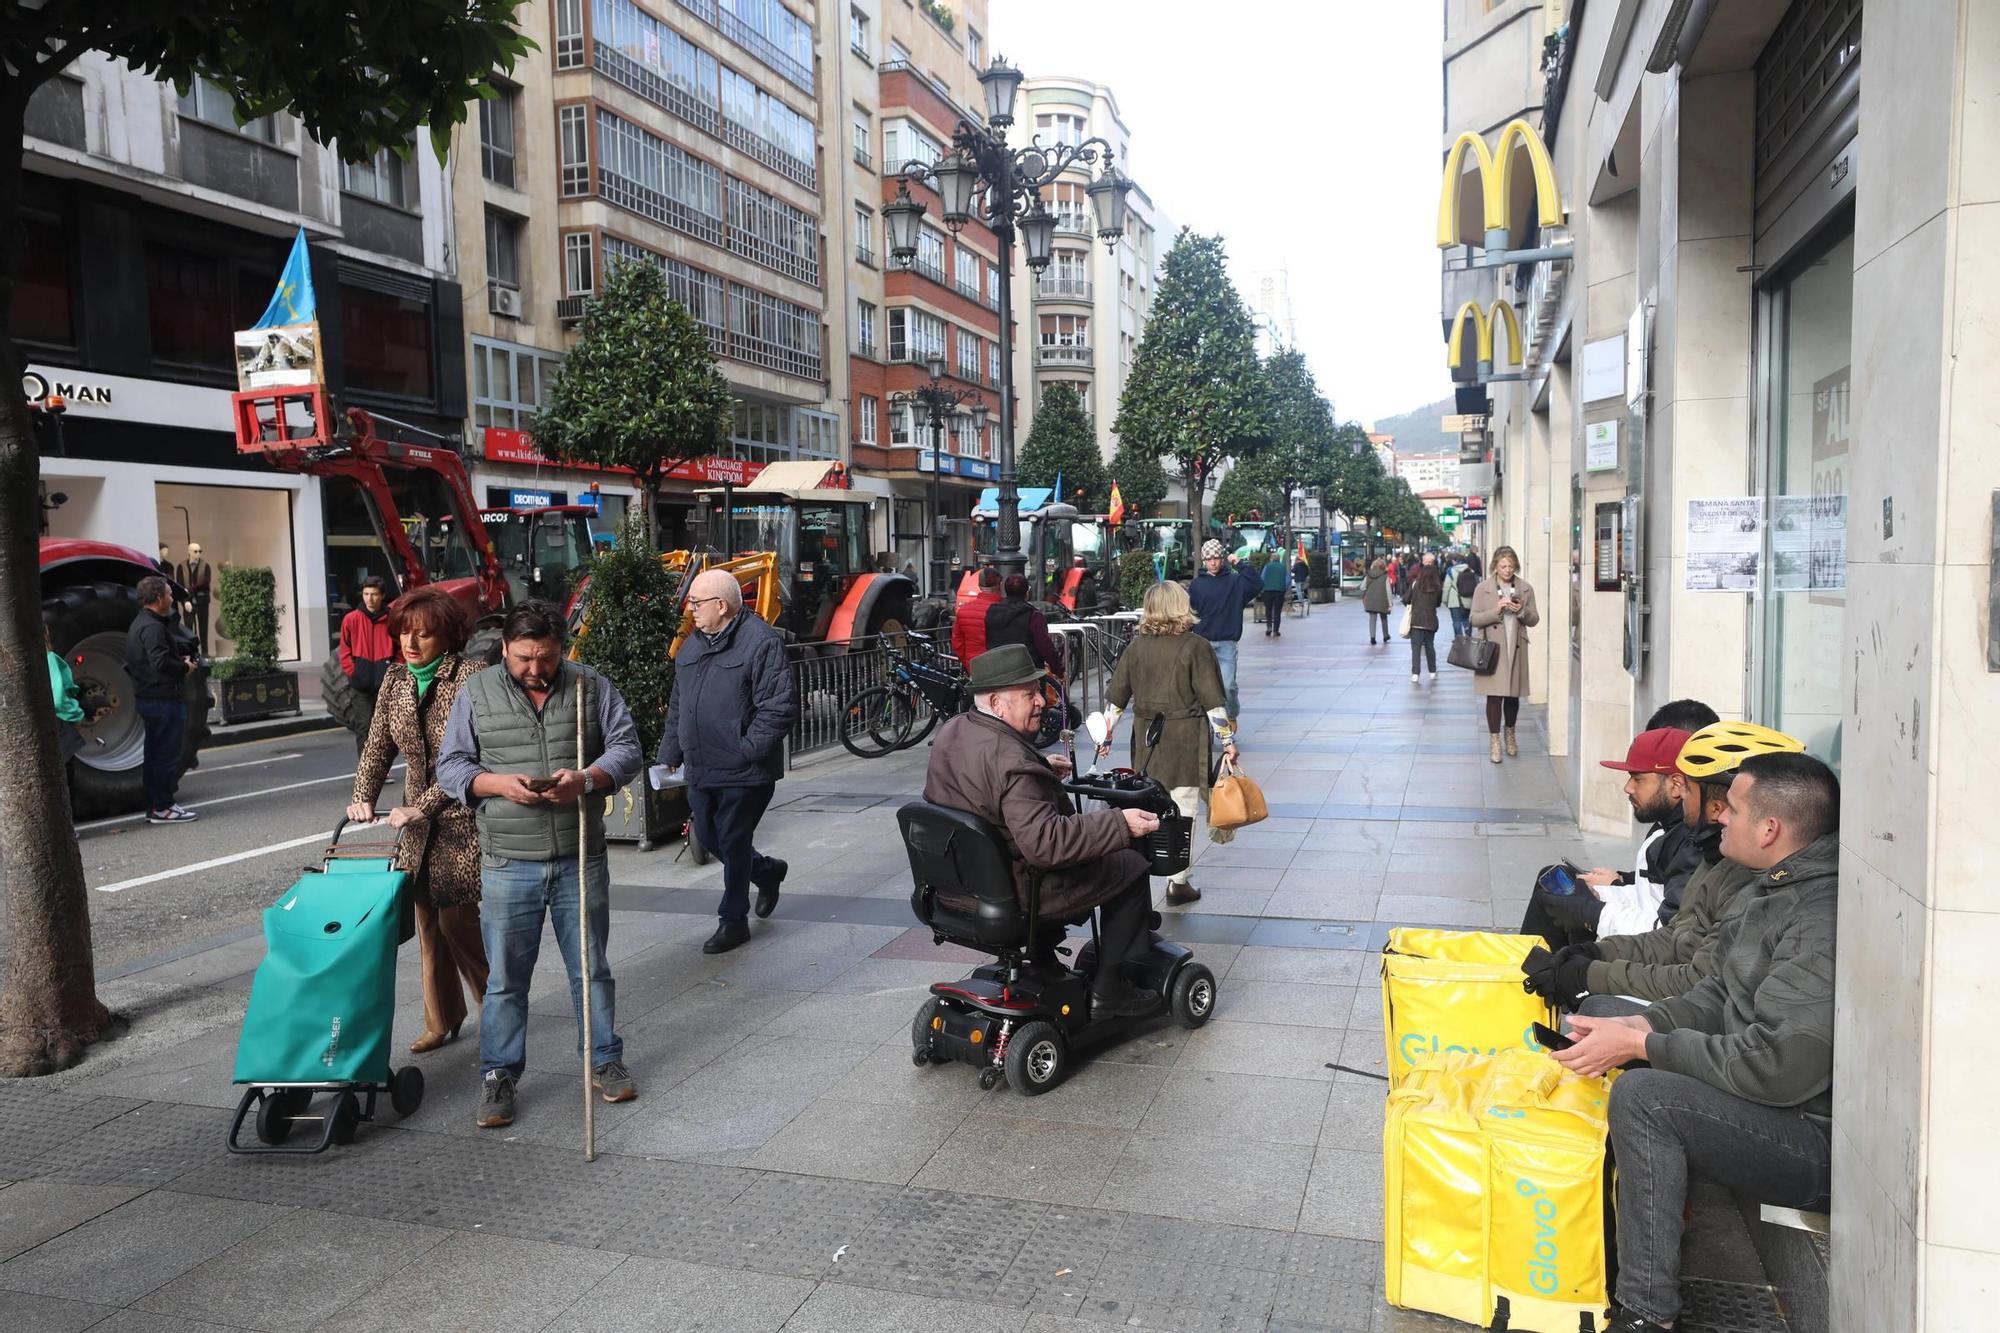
1171,846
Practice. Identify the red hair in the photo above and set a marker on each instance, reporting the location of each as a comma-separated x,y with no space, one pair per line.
435,610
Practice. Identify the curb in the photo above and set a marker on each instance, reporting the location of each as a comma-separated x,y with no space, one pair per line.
272,729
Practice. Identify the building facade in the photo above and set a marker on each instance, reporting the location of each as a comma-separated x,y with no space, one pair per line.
1744,463
155,227
1428,472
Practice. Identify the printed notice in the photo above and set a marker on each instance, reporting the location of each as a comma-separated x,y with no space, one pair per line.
1724,540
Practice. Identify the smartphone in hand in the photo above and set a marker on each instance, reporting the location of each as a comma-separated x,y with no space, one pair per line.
1551,1039
539,784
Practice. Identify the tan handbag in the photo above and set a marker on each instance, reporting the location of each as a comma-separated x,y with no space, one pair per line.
1235,801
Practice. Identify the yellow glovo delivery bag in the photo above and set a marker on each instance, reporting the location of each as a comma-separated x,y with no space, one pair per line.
1496,1194
1452,990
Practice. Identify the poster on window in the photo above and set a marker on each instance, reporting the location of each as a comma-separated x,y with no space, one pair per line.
1809,544
1831,437
1725,536
285,356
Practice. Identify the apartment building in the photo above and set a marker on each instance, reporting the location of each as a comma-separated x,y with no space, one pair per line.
1428,472
156,226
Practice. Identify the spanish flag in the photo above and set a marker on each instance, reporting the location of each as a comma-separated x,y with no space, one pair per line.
1117,506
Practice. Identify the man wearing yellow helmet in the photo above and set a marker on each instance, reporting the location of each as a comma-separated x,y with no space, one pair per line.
1670,959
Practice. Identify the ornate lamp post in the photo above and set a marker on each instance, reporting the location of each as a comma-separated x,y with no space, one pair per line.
1005,187
939,401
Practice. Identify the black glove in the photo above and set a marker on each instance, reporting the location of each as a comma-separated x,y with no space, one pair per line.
1570,975
1539,968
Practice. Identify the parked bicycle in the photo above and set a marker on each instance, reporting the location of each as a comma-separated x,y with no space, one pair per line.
885,718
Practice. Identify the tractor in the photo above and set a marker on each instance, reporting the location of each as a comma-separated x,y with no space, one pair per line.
1062,550
1171,542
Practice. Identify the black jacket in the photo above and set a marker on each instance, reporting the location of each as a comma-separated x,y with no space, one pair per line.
1012,620
153,650
1672,859
732,706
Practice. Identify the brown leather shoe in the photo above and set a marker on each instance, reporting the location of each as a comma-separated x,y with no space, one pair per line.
430,1041
1180,895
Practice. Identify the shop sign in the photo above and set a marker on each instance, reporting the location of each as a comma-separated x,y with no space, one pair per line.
1600,446
530,499
504,444
1604,369
123,398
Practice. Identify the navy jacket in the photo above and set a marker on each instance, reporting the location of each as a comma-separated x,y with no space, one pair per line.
154,647
1219,600
732,706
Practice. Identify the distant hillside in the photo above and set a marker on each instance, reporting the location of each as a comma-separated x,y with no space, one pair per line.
1418,432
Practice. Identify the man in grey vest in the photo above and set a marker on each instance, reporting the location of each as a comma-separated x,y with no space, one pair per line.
508,747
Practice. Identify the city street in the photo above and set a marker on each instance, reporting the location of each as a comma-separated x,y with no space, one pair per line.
784,1166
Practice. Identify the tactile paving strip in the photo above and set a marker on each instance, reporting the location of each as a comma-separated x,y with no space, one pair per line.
1728,1307
150,1145
1170,1292
34,1124
1354,1263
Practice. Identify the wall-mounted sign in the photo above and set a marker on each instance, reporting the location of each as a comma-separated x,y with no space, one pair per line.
1635,357
530,499
504,444
122,398
1604,369
1600,446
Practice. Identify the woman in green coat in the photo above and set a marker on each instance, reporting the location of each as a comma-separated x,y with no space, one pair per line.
1166,671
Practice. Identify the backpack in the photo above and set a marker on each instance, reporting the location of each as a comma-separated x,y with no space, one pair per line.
1468,583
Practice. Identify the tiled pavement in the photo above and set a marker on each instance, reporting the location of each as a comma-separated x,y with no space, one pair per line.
785,1165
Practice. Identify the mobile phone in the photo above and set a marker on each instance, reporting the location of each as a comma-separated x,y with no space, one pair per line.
1551,1039
1562,879
538,784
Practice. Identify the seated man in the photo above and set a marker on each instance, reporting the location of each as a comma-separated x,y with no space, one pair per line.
984,764
1617,903
1739,1088
1670,959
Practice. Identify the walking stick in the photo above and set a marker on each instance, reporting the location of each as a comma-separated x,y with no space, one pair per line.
583,936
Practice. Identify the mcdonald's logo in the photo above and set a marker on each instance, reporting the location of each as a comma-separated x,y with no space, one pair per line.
1473,334
1514,177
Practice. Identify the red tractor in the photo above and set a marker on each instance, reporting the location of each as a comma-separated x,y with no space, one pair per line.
89,597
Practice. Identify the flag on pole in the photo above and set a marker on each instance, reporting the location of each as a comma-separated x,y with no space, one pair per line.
1117,506
293,301
1057,498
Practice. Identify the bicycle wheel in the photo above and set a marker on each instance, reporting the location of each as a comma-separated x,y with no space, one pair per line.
924,720
874,722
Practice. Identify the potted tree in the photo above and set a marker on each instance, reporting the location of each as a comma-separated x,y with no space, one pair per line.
248,684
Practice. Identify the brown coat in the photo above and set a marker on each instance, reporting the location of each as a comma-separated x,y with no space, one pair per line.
1375,590
1509,676
444,844
984,767
1425,592
1175,674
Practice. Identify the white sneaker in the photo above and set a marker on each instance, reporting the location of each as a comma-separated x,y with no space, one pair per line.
1413,678
1434,676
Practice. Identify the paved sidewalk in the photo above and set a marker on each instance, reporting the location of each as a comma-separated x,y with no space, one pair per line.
785,1167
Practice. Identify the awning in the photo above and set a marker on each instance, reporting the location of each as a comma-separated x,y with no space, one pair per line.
795,480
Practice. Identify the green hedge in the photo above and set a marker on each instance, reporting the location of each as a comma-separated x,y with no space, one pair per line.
249,620
630,626
1135,575
1318,571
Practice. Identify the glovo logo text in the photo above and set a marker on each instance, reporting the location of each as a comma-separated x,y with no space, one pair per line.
1544,1259
1413,1046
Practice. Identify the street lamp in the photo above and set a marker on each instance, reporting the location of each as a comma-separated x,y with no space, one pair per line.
937,401
982,177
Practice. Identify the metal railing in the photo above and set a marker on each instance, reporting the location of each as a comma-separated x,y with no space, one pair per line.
865,255
864,158
822,684
1062,354
1057,287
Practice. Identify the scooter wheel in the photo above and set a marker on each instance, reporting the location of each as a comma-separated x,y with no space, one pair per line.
406,1090
1193,997
920,1031
1037,1058
989,1078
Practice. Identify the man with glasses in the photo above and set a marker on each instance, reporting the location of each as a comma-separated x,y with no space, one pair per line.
727,718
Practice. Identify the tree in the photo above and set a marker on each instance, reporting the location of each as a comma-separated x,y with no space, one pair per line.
1241,493
640,390
1300,456
1063,443
1196,392
367,73
1142,483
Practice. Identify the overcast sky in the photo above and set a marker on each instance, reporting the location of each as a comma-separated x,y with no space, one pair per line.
1232,109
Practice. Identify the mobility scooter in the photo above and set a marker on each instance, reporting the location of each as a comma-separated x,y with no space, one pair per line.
1022,1015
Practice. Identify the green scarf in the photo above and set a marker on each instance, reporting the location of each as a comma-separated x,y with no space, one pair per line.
425,673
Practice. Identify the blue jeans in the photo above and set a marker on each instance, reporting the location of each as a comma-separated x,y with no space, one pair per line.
1225,657
1461,621
516,896
165,721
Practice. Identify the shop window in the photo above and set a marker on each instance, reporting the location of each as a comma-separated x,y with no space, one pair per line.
44,302
197,300
386,342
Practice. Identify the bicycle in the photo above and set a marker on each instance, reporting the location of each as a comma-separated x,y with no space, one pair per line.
885,718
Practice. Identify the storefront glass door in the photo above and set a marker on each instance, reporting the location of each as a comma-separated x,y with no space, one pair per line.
1804,585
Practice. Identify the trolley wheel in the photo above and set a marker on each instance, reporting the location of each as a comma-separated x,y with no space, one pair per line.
1193,997
989,1078
275,1111
1037,1058
346,1118
406,1090
920,1031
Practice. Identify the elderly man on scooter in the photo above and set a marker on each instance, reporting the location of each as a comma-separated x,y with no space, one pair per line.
985,763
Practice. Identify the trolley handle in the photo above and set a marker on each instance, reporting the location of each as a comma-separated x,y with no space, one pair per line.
335,850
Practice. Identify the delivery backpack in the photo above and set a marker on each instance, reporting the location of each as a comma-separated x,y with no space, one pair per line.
1497,1194
1447,991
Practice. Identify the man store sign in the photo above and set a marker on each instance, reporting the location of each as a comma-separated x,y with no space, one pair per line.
127,398
38,389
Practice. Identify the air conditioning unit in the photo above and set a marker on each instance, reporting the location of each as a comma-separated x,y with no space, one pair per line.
569,309
502,300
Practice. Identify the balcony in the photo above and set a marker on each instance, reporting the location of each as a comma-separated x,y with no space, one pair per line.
1073,223
1063,354
864,159
866,347
1061,287
970,291
865,255
932,269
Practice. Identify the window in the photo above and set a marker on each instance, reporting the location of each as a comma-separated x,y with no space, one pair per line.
569,34
385,178
968,354
700,293
195,306
575,137
578,271
509,382
1058,127
902,424
658,180
975,48
1071,207
993,286
772,33
903,142
993,363
503,249
899,54
930,254
44,304
769,331
767,129
496,137
864,327
968,273
1065,331
864,232
864,138
387,342
857,33
773,233
867,414
926,336
207,103
899,337
968,442
654,61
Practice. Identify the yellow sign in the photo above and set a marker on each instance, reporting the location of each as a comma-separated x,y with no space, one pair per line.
1482,325
1514,177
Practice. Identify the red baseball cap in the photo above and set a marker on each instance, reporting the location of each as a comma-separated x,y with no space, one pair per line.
1652,752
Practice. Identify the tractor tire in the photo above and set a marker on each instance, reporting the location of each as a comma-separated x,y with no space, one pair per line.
890,619
344,704
484,645
87,624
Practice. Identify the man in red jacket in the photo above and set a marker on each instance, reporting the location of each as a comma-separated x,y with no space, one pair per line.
968,623
366,649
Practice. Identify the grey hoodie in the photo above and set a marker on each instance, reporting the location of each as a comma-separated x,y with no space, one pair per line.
1761,1024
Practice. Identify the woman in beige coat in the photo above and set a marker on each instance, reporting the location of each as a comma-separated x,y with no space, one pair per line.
1503,610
